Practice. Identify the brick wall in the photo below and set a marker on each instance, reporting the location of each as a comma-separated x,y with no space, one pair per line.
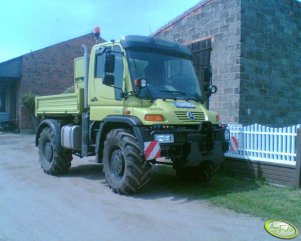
49,71
271,172
271,62
256,62
220,21
255,56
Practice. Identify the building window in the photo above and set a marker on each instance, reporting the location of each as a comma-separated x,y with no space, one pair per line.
200,57
201,60
2,102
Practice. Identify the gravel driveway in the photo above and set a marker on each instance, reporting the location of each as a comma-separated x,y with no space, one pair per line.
79,206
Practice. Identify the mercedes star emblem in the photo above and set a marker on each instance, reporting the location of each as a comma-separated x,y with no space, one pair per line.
190,115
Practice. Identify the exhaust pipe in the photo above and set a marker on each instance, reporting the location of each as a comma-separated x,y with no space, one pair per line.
85,115
86,71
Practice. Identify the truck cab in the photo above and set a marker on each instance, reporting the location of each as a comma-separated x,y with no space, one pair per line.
140,104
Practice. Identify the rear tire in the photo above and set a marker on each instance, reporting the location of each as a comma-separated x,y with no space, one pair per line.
125,169
204,172
54,159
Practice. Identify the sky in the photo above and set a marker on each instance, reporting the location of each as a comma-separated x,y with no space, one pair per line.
29,25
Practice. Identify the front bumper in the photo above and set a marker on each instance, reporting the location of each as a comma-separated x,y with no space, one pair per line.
192,144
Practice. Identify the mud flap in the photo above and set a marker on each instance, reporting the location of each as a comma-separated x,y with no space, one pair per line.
218,153
195,157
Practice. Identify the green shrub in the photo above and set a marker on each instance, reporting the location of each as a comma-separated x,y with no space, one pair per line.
28,101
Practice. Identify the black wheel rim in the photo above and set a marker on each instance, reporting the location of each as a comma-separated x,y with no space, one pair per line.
117,164
48,151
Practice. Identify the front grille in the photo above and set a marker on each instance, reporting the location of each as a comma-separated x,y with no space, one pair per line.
182,116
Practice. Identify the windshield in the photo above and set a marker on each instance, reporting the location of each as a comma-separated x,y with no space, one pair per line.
167,76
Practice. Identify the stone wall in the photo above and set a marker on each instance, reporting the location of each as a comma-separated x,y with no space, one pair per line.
271,62
49,71
220,21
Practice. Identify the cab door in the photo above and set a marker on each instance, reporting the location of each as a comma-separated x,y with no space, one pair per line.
106,100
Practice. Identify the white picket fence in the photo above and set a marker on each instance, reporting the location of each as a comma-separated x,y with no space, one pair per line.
261,143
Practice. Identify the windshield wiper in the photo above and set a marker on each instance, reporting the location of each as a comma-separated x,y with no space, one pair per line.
179,92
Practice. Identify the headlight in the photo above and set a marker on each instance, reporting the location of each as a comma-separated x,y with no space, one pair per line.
164,138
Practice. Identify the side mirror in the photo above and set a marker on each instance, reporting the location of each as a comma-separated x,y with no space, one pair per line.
109,79
109,63
207,74
212,89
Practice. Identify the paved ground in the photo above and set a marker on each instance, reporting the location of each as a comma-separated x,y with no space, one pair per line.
79,206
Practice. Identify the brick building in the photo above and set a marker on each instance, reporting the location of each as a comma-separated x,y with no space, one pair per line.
43,72
255,53
253,48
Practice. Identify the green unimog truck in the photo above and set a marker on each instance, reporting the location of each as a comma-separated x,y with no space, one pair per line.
137,102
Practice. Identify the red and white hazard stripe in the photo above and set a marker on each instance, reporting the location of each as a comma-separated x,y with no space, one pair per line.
233,144
151,150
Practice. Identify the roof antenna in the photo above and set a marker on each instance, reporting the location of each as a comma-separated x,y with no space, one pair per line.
96,32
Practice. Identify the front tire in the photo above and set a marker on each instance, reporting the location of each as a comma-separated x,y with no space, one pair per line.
125,169
54,159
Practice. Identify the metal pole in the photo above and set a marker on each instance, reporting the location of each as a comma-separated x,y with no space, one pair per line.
298,158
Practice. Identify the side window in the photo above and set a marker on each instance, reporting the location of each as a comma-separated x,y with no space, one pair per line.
118,72
100,64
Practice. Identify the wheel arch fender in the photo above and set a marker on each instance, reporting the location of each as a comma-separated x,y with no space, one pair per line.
54,125
113,122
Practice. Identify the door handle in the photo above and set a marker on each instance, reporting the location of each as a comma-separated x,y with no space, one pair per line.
94,99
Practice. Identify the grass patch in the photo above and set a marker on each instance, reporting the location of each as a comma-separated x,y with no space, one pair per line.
254,197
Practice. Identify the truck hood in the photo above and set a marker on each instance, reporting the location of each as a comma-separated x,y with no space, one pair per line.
176,112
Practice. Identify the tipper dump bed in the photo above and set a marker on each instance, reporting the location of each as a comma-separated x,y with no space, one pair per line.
64,104
54,105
